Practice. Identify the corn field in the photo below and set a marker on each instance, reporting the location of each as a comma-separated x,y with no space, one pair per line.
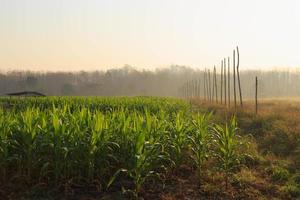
109,143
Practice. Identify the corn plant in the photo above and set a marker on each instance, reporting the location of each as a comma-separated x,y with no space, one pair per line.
178,137
58,149
200,140
104,142
6,123
226,139
24,142
146,157
101,149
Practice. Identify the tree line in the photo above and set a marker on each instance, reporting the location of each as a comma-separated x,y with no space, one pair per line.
128,81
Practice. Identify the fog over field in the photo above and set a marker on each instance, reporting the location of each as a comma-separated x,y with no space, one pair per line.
129,81
63,48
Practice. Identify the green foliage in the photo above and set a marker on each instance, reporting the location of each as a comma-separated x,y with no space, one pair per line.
86,140
226,147
108,142
103,104
278,142
279,174
292,189
178,137
296,179
272,132
200,140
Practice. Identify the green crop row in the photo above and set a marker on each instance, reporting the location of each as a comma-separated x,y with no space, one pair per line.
104,104
73,143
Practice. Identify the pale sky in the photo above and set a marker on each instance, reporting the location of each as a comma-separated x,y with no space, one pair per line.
99,34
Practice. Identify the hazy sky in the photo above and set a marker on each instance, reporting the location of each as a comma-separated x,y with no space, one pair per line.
99,34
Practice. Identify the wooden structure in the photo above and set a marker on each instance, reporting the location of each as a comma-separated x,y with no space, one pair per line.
26,94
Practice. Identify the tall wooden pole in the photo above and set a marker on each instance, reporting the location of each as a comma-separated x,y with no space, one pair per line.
209,84
188,89
234,84
238,75
199,87
225,83
207,87
193,88
222,82
204,84
213,85
184,90
216,88
228,67
196,88
256,84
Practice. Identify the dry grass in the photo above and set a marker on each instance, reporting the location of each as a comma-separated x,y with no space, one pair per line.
276,137
286,108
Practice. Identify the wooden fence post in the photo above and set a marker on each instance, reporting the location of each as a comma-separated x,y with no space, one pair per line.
216,88
238,75
204,84
209,83
222,82
225,83
256,85
196,88
207,86
193,88
213,85
228,69
234,84
199,88
188,89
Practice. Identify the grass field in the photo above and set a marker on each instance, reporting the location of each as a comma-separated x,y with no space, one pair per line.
147,148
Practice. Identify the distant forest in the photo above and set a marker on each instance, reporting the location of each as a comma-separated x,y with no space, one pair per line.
128,81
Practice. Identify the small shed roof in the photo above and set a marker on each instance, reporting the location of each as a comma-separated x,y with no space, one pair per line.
26,94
